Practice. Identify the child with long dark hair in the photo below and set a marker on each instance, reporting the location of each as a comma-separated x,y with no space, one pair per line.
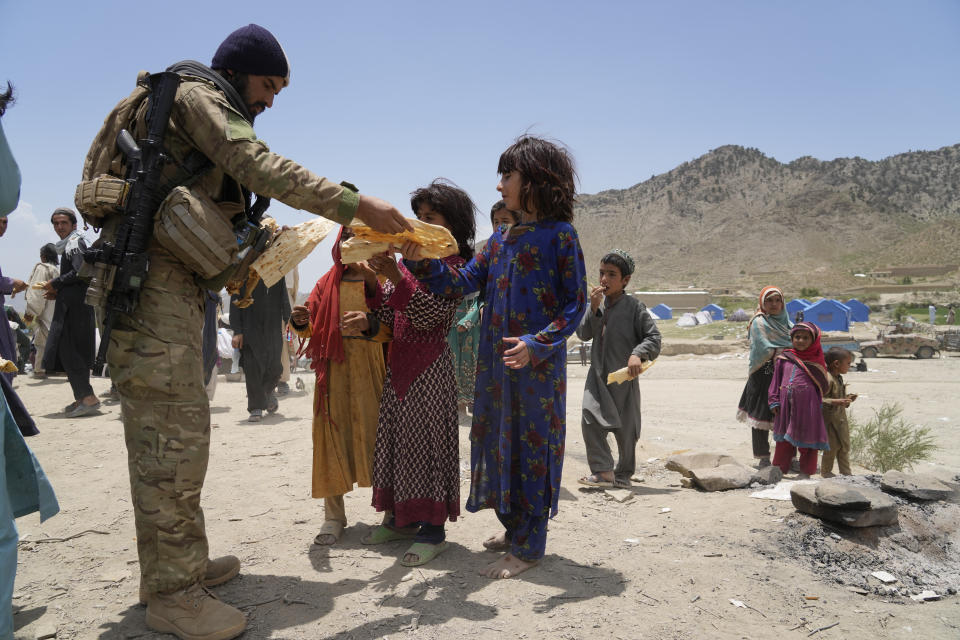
795,395
535,287
416,463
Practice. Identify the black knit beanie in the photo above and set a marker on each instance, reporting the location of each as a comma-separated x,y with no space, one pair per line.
252,49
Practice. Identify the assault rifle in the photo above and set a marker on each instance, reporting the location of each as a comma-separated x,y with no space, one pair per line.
121,266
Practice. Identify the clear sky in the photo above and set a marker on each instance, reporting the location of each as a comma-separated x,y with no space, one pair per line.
391,94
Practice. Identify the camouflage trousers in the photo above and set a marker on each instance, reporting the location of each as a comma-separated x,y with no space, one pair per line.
156,363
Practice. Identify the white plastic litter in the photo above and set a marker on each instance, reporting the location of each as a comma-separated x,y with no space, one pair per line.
780,491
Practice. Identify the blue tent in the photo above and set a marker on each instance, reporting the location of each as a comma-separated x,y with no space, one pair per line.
796,305
829,315
716,311
860,312
663,311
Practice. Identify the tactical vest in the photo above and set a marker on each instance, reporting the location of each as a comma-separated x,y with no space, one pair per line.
188,223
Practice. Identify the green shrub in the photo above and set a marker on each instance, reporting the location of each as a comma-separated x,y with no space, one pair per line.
809,292
901,312
906,280
887,442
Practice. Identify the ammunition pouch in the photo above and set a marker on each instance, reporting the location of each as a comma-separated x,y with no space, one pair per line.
103,196
191,226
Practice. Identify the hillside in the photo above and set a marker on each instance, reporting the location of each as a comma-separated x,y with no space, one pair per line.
734,213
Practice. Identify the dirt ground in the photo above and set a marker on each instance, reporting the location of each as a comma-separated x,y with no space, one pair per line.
665,564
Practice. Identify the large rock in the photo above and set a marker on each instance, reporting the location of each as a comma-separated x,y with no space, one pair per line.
882,509
915,485
769,474
726,476
684,463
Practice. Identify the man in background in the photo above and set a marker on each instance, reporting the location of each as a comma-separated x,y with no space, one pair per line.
71,342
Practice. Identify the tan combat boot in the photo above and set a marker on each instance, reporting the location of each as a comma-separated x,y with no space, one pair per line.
194,614
219,570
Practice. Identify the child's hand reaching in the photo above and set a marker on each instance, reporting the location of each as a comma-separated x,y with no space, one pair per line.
300,315
517,357
411,251
386,266
354,323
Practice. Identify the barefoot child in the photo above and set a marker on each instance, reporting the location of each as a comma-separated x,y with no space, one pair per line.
624,335
795,395
350,373
534,283
416,468
835,403
769,331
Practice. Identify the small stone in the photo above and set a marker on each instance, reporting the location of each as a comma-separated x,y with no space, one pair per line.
721,478
768,475
884,577
684,463
620,495
926,596
686,483
46,630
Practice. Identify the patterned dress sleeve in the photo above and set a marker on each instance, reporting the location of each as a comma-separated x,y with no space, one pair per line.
423,309
569,300
454,282
376,302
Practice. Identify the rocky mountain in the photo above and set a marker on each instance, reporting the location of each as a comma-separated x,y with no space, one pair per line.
735,217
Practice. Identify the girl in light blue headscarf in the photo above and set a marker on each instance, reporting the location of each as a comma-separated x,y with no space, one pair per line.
769,332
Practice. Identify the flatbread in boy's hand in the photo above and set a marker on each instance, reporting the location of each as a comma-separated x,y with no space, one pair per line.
39,285
436,241
623,375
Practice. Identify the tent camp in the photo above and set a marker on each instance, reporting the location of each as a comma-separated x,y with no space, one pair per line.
715,311
829,315
687,320
859,311
663,311
703,317
796,305
740,315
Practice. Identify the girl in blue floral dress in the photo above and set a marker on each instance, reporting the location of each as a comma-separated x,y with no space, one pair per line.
534,283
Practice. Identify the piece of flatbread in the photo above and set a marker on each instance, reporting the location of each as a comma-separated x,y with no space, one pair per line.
437,241
7,367
289,248
623,375
39,285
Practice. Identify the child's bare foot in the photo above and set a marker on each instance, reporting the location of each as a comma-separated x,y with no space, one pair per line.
507,566
498,542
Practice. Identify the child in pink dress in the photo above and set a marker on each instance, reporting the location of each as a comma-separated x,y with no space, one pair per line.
795,395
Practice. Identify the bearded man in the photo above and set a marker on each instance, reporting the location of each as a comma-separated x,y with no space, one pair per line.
155,351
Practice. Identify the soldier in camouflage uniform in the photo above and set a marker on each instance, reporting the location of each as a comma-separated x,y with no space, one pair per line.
155,352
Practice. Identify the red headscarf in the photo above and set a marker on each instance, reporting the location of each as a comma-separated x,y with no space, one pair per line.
326,342
813,353
810,359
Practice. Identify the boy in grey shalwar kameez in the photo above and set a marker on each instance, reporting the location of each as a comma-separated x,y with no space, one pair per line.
624,335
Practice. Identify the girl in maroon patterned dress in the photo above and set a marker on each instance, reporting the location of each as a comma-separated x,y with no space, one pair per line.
416,462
